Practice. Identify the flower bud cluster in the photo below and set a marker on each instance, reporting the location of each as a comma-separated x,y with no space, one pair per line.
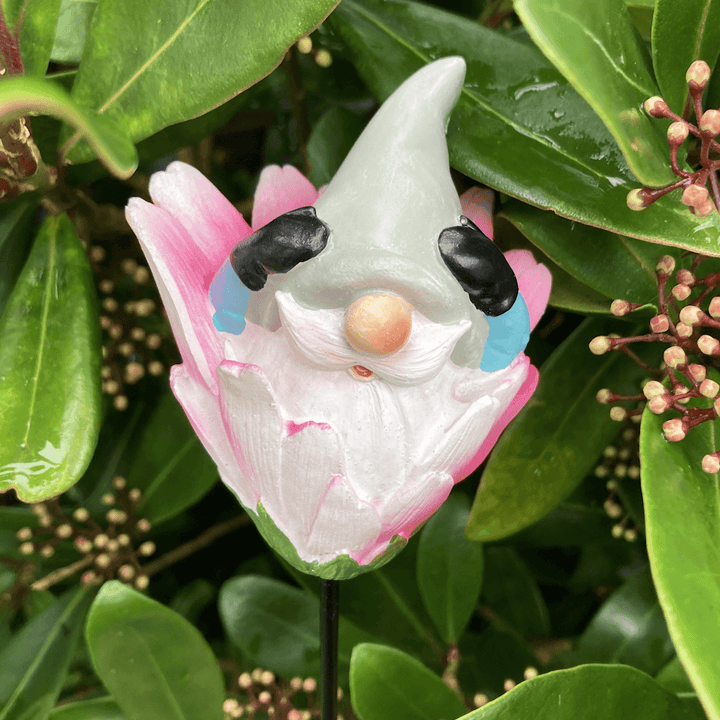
136,337
260,694
688,322
695,193
110,550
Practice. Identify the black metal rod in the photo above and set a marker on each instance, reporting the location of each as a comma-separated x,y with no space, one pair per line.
329,647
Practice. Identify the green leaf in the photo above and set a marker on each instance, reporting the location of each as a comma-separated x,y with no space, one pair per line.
222,49
587,252
34,663
171,466
33,22
449,568
154,662
570,294
388,684
99,709
682,519
277,626
629,629
683,32
674,678
556,438
72,30
35,96
519,126
50,360
590,692
595,47
15,241
512,593
330,141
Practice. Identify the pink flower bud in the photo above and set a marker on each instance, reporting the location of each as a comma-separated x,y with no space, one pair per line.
665,265
653,388
674,356
698,372
656,107
683,330
714,309
698,74
600,345
681,291
603,396
637,199
704,209
692,315
677,132
695,195
709,388
674,430
711,464
709,345
709,122
658,404
620,307
618,414
660,324
685,276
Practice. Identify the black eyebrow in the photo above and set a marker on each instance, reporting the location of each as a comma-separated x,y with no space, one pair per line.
279,246
479,266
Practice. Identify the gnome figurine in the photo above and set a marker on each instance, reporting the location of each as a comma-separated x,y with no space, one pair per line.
353,357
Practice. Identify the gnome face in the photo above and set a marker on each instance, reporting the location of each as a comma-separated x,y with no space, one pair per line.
351,359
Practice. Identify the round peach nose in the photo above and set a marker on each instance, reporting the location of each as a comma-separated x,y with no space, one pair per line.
378,324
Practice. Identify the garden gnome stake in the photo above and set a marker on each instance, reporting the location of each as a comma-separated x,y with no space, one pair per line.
353,358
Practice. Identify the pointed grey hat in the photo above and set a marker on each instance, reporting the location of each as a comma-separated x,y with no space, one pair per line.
386,207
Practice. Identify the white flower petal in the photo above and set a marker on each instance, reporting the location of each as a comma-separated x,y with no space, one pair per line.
203,411
251,421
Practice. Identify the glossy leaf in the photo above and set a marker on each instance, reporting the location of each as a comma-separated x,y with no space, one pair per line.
549,448
519,126
587,253
15,241
449,568
490,658
595,47
513,594
72,30
25,95
171,467
34,663
33,22
330,141
683,32
590,692
276,626
99,709
629,629
568,293
169,36
682,518
399,617
388,684
154,662
674,678
50,360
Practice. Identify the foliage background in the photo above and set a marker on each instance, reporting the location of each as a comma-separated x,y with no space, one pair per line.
583,581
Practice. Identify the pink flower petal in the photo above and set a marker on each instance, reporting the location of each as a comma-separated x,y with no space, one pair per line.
203,411
210,219
477,205
177,264
534,280
516,404
279,190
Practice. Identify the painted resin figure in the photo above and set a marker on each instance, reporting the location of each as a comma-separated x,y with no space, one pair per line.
360,352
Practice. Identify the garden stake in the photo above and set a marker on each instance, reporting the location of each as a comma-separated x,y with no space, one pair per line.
329,647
